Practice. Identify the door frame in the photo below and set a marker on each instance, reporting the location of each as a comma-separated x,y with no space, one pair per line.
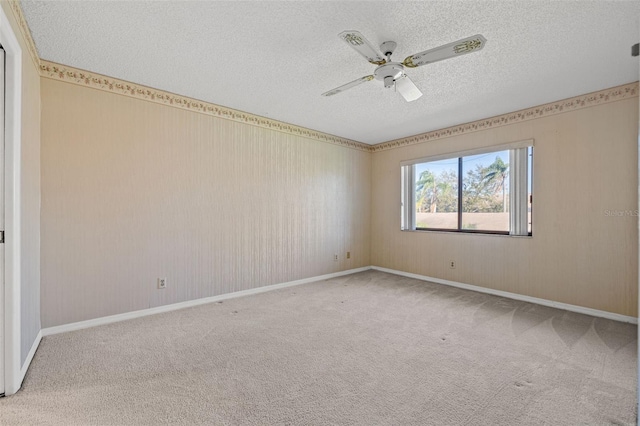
12,262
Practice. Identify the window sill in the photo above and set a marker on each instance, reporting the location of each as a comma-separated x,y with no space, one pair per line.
456,232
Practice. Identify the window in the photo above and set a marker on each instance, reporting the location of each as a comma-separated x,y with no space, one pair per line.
481,191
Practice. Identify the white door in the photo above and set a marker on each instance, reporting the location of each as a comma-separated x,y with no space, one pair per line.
2,313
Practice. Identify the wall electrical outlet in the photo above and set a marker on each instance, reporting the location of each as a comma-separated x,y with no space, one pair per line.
348,255
162,283
452,264
335,257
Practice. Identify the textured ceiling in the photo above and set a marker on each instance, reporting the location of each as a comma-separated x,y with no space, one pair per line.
274,59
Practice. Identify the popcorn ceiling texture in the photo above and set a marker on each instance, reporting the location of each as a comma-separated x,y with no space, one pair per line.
275,59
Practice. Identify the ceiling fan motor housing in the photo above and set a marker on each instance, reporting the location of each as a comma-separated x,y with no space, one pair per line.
389,73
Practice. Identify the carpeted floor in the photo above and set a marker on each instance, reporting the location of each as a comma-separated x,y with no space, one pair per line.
364,349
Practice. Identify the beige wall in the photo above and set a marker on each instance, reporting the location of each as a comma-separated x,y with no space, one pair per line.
585,162
134,190
30,194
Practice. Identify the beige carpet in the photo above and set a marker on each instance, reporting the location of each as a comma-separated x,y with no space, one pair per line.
365,349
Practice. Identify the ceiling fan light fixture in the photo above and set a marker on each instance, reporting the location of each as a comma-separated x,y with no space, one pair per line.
407,89
391,69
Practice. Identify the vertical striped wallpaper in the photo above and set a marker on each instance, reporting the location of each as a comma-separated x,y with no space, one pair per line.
585,165
133,191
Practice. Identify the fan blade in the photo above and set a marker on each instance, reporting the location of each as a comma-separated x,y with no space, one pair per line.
362,46
407,89
457,48
348,86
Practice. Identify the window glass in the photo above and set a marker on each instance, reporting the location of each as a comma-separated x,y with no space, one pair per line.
480,192
485,192
436,192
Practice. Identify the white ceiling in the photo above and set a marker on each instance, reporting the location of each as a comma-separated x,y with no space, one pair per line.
274,59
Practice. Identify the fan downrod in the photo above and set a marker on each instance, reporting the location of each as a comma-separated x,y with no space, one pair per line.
390,71
387,49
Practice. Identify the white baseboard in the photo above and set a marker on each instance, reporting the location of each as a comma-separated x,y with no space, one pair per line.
32,352
181,305
515,296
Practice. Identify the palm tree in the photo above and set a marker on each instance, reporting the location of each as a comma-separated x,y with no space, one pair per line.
424,188
495,176
446,196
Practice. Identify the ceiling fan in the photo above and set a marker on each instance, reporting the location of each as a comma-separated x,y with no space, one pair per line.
393,73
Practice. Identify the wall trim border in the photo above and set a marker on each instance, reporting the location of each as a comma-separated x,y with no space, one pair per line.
515,296
96,81
189,303
25,31
600,97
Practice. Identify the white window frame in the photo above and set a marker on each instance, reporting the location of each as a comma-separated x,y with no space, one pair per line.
518,187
